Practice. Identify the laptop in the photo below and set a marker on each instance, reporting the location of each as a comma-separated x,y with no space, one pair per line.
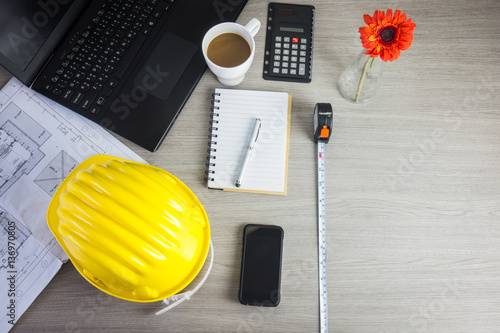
128,65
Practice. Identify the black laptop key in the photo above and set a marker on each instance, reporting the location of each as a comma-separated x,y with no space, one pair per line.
95,110
157,14
108,69
112,83
137,9
96,69
77,98
74,84
101,100
103,78
91,77
85,86
87,100
67,94
97,86
131,34
80,75
74,66
102,60
62,84
68,75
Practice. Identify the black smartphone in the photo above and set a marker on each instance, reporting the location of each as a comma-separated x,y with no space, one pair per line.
260,279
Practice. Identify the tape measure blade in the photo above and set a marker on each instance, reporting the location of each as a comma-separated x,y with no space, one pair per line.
322,248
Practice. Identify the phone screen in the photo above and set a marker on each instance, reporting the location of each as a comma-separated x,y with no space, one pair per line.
261,265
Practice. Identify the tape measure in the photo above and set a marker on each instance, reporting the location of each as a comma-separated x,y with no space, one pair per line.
323,122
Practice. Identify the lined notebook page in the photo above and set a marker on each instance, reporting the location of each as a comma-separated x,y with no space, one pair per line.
234,117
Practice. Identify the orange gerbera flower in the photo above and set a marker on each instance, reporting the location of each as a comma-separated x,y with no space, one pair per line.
386,35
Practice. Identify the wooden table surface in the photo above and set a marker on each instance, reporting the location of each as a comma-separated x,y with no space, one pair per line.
413,192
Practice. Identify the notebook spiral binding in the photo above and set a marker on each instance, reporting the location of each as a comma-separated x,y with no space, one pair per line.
212,137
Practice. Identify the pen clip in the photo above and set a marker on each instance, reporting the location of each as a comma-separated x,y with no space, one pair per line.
258,129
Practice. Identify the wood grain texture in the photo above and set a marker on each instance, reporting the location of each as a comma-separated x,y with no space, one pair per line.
413,192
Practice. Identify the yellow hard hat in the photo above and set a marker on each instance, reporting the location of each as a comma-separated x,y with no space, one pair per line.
132,230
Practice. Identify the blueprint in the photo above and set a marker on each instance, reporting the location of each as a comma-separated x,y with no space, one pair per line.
41,142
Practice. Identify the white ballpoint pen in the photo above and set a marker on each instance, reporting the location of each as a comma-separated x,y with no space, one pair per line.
251,144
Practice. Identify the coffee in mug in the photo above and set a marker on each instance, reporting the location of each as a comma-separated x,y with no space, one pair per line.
228,50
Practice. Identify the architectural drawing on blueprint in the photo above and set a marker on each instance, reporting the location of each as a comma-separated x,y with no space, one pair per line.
55,172
20,140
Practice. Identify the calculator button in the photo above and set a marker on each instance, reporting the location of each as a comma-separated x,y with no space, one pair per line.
295,52
286,39
303,40
276,64
302,69
286,45
293,65
286,58
277,51
277,38
284,71
302,53
286,52
295,46
294,59
277,45
295,40
285,64
277,57
293,71
303,47
276,70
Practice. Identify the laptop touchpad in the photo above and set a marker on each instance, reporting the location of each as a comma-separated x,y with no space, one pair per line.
165,65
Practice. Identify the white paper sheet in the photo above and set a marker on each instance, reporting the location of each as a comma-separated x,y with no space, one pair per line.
41,142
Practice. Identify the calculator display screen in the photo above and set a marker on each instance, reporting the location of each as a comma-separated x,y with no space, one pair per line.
292,29
285,12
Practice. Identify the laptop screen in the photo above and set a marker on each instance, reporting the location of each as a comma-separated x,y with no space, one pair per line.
24,29
30,30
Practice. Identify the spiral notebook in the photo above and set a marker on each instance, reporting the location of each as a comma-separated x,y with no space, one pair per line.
233,118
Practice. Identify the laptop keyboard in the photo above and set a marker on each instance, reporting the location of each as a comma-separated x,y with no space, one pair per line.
96,59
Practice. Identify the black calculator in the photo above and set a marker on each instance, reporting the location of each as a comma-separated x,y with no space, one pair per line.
289,42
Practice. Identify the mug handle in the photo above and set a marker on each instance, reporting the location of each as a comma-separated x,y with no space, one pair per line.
253,26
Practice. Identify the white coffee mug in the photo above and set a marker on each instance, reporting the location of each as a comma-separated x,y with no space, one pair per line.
231,76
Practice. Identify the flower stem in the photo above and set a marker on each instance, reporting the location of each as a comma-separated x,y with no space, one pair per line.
361,80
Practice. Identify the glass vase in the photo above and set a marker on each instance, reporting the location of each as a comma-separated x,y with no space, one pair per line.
359,83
